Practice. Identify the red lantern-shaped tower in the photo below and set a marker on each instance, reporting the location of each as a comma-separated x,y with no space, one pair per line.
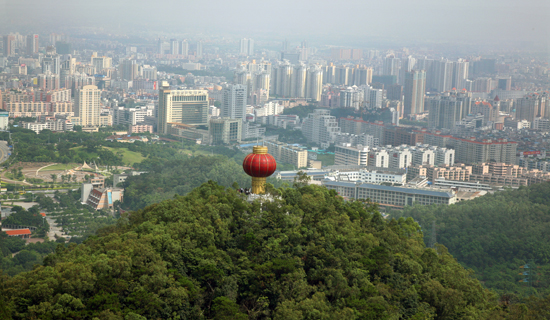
259,165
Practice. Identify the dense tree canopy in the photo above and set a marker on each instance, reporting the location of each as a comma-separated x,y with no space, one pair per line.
165,179
212,255
495,235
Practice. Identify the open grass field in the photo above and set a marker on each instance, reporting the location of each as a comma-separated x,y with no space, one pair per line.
128,157
60,167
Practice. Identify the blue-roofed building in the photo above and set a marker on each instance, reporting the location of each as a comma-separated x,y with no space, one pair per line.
389,196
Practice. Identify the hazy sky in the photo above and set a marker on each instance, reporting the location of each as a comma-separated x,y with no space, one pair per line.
422,20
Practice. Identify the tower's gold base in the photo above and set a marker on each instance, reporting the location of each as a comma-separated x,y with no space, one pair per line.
258,185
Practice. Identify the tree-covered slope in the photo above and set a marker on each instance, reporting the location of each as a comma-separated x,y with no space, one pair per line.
495,235
212,255
165,179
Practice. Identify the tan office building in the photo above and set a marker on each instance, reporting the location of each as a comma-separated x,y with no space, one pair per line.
285,153
181,106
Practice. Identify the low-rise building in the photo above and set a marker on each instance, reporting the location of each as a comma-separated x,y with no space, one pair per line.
389,196
285,153
347,155
21,233
104,198
139,128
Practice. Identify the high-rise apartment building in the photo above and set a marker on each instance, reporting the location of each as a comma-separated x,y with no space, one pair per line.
247,47
320,127
48,81
128,69
407,65
363,76
87,106
51,63
234,101
184,48
460,74
391,66
181,106
314,88
174,47
199,52
526,108
505,83
415,88
441,77
444,112
373,97
394,92
298,81
101,63
32,44
9,45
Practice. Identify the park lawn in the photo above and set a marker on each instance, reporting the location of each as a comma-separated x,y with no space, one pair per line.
60,167
81,150
128,157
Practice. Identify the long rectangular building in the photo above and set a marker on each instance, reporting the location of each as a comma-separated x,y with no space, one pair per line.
285,153
474,150
388,196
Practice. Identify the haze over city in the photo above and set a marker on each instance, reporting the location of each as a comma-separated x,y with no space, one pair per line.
341,23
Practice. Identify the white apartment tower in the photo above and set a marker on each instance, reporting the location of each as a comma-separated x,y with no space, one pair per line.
87,106
314,83
247,47
320,127
234,101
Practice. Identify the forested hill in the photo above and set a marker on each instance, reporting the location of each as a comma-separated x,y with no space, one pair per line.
495,235
166,178
212,255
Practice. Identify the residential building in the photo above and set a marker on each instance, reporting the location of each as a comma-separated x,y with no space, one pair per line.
87,106
444,112
397,136
320,127
415,89
51,124
285,153
139,128
247,47
32,44
348,155
474,150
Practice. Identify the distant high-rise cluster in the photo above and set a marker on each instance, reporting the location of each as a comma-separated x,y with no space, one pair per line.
298,81
247,47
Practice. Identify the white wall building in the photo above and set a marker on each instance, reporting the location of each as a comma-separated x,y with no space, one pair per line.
320,127
234,101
